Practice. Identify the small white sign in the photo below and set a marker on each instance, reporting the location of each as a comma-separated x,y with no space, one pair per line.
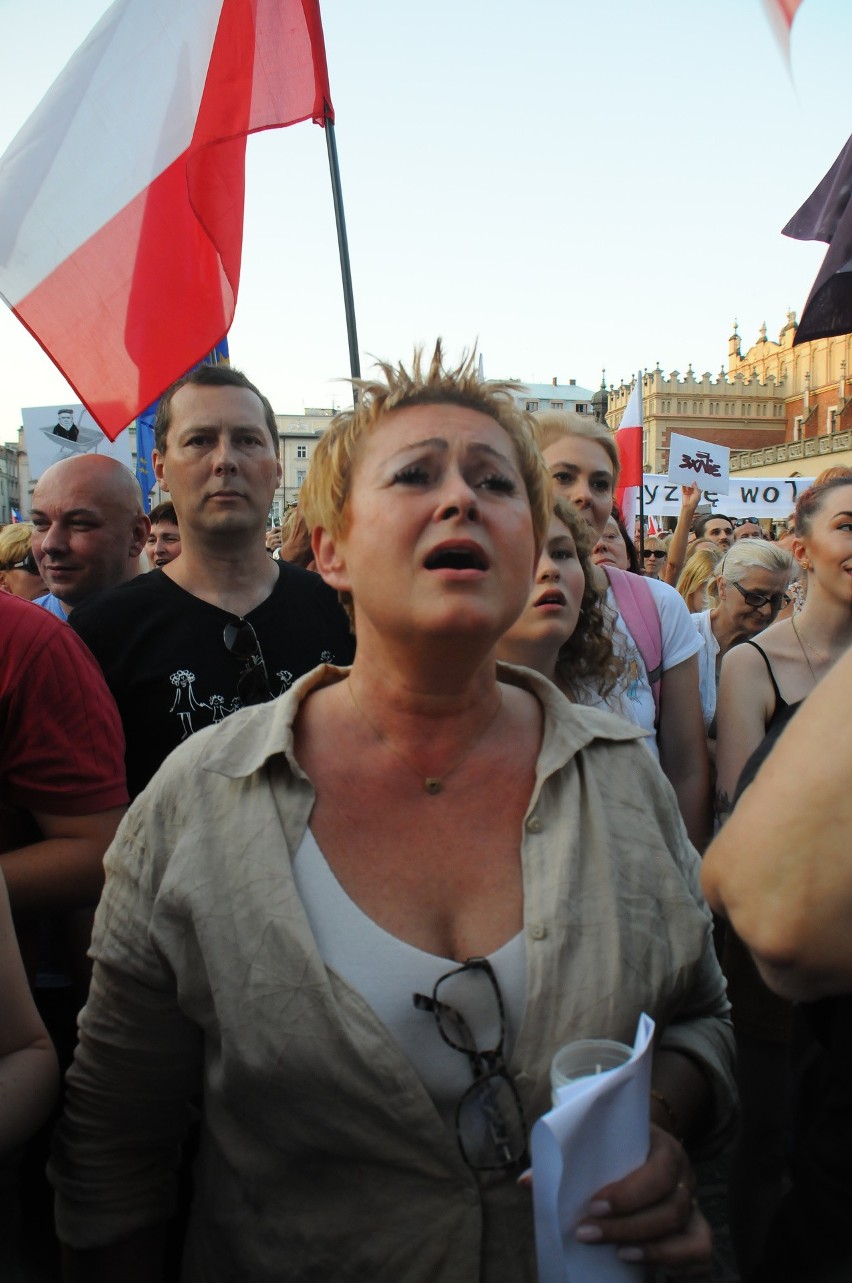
701,461
54,432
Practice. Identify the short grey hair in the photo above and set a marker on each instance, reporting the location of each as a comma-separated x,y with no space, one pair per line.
747,555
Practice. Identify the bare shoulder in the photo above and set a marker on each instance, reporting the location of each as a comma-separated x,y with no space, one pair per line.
778,641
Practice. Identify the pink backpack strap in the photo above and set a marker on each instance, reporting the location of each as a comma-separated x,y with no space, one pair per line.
638,609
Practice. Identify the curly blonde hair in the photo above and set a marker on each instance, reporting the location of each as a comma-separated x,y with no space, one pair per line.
587,658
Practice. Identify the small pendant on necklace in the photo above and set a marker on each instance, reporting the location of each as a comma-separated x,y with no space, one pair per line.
432,785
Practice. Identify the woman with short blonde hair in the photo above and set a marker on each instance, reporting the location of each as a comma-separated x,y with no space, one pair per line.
19,573
348,919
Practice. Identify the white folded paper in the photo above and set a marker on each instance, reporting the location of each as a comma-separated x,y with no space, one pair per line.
597,1133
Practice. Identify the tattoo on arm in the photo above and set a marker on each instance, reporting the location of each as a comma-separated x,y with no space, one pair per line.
724,805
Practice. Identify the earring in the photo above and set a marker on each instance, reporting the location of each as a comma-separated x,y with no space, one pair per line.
806,565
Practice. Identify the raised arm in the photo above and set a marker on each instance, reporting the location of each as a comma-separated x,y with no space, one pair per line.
689,499
783,874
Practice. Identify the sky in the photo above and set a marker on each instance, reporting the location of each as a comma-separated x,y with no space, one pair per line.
573,186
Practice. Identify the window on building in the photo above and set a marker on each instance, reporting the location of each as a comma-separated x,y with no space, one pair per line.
557,405
581,407
797,428
301,473
301,451
531,406
831,419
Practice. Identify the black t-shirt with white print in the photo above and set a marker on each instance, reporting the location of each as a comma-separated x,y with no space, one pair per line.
164,658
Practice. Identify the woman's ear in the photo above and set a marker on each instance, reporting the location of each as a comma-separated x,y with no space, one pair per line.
329,555
800,552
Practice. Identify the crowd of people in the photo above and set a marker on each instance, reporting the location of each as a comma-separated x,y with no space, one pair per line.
418,788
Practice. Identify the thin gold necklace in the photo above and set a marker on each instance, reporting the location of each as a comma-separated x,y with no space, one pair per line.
823,659
432,783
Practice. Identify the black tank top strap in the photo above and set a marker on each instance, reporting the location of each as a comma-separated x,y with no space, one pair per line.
780,702
781,715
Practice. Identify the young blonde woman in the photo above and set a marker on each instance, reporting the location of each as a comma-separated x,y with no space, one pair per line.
697,575
652,634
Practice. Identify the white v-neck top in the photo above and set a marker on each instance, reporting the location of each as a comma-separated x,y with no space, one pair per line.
387,972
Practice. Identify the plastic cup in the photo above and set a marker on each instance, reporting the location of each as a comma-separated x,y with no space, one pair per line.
584,1059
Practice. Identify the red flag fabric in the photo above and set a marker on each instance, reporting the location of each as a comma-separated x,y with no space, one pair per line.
781,14
122,195
629,442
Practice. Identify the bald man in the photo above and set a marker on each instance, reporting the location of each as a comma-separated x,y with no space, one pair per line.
90,529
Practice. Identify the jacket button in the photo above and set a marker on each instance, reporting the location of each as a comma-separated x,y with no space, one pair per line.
538,931
534,824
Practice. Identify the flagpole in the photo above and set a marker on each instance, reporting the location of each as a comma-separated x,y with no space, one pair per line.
642,515
343,246
642,484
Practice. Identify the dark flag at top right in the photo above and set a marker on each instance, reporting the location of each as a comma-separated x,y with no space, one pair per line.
827,216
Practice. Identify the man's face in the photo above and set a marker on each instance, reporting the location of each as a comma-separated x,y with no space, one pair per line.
748,530
219,467
85,538
163,543
720,530
66,418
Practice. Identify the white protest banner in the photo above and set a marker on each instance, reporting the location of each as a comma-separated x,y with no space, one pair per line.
751,497
691,460
54,432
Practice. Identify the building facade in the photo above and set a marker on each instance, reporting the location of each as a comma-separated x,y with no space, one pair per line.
298,435
775,405
10,493
552,396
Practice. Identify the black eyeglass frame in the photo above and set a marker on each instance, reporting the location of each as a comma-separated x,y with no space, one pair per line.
487,1065
241,641
757,600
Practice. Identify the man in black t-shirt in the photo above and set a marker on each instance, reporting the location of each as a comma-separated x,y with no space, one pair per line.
223,625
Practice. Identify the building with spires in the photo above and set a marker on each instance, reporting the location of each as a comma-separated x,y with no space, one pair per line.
775,407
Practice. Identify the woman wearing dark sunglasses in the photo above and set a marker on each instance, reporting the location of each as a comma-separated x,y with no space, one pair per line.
762,684
654,556
748,591
19,573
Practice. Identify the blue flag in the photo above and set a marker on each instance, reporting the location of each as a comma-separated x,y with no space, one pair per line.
145,429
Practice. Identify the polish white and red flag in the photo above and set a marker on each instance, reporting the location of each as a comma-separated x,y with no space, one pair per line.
629,442
123,194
